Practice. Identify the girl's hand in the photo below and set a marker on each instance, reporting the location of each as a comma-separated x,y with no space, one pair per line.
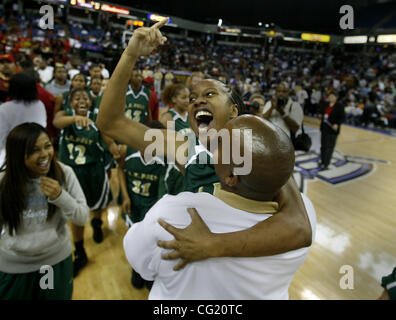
82,121
126,205
145,40
50,187
115,151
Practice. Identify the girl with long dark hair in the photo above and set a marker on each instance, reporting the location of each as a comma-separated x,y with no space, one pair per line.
38,195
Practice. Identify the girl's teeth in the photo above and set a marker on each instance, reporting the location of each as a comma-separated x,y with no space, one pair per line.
43,164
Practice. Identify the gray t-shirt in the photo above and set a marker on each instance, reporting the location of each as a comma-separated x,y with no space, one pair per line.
38,240
56,89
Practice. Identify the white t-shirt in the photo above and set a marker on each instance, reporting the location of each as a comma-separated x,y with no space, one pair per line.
215,278
316,95
46,74
13,113
302,95
105,73
292,109
73,72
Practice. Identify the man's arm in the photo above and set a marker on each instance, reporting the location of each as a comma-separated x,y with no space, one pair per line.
287,230
294,118
267,111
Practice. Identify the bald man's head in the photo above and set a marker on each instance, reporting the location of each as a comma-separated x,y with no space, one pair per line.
272,156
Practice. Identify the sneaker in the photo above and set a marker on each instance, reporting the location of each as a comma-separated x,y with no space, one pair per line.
137,281
96,224
80,261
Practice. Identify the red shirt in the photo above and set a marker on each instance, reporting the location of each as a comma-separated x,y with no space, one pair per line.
49,102
154,105
328,110
4,84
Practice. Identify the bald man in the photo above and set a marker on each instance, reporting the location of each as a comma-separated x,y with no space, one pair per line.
239,202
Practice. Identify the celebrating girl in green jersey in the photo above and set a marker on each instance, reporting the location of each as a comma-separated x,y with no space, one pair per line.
212,105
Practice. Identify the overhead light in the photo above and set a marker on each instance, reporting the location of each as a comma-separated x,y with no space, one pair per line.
220,22
292,39
355,39
267,25
315,37
260,24
386,38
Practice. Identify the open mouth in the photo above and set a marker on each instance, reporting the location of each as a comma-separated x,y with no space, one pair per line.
204,120
43,164
82,109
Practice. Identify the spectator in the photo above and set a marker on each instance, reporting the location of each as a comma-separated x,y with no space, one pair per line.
257,101
45,71
169,77
283,111
158,76
194,78
105,72
95,71
7,69
60,83
316,96
96,87
332,115
35,232
302,95
24,106
153,102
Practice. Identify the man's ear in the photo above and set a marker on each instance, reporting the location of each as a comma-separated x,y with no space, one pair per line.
231,180
234,111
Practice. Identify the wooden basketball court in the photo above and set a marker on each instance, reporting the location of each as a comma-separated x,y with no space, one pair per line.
356,224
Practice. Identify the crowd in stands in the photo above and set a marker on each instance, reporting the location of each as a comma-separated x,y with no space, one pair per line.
365,82
52,70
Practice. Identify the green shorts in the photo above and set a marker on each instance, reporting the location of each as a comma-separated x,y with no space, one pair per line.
136,215
389,283
55,284
95,185
109,162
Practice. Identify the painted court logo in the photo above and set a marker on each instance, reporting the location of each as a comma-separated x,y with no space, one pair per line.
343,168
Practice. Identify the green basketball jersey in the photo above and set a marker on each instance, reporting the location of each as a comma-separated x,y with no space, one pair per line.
181,125
200,174
66,102
143,179
137,104
95,107
80,146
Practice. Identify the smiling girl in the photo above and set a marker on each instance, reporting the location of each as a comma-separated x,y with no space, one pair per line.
63,100
81,146
38,195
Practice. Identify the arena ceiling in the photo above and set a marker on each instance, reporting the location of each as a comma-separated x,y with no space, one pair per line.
302,15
